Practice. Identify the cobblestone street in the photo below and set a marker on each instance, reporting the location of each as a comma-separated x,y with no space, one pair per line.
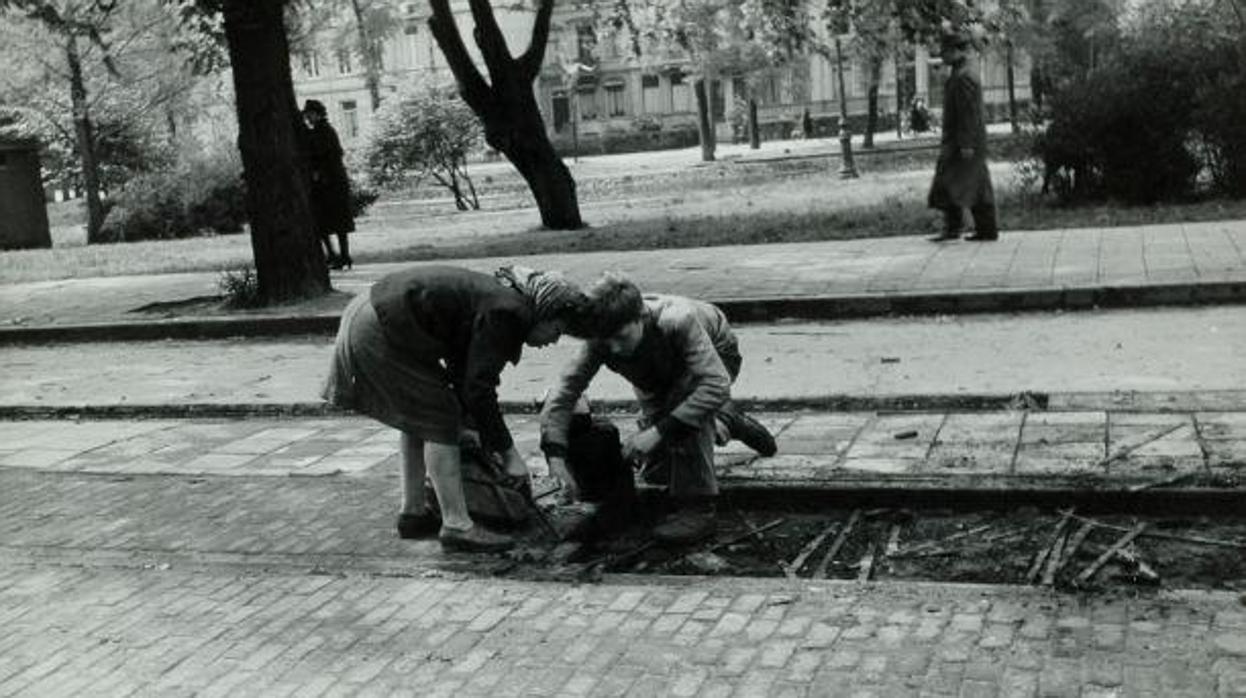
98,630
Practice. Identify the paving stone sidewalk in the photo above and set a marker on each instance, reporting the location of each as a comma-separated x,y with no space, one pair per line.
1058,268
1014,450
71,630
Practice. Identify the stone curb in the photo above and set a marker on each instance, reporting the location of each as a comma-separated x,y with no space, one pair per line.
833,403
739,310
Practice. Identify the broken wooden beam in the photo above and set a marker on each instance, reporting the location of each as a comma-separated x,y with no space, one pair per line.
1043,554
838,543
865,568
1149,533
1088,573
792,569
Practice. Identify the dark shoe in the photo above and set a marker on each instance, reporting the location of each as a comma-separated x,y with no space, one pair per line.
976,237
944,237
345,261
687,526
748,430
476,539
418,525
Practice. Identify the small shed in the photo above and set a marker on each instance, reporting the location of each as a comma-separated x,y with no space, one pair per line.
23,211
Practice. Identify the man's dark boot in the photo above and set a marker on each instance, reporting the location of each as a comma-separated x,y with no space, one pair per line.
744,428
691,523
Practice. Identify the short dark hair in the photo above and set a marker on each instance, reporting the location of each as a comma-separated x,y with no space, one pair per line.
577,317
316,106
616,302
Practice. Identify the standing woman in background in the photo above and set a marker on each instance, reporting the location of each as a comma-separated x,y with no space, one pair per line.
330,187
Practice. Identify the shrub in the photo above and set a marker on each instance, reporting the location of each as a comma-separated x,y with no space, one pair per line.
240,288
1126,130
426,133
199,195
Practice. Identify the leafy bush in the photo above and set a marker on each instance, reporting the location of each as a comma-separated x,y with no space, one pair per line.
240,288
204,194
427,133
1126,130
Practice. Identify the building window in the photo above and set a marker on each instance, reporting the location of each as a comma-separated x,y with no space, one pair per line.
615,103
649,94
310,64
586,43
344,64
681,93
350,118
586,100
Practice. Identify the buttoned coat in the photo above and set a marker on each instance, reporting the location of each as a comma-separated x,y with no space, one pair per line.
960,181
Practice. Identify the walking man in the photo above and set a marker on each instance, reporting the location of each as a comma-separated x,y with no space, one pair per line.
962,179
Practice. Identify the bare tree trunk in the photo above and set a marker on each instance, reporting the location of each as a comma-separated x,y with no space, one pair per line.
705,124
754,129
288,261
1012,88
507,106
871,114
369,52
86,142
899,95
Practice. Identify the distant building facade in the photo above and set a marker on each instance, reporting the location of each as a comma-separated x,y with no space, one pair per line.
591,88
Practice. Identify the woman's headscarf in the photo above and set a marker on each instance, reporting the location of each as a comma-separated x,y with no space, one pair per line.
550,293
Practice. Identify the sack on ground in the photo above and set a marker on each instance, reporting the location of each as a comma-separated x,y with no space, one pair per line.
492,498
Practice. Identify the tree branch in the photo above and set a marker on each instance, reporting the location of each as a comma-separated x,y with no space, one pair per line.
472,85
490,41
530,62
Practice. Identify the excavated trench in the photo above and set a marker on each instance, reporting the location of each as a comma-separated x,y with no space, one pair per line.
1096,541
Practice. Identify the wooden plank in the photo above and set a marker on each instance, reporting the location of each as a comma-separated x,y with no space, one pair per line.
893,540
1240,545
1042,555
820,573
865,568
1076,542
792,569
922,547
1088,573
1053,560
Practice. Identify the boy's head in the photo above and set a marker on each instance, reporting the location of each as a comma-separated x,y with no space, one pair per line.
619,310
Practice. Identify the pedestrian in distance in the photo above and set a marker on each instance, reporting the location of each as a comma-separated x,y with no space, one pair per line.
330,186
962,179
423,353
919,116
681,358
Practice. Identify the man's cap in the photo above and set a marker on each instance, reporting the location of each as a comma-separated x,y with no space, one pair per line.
955,39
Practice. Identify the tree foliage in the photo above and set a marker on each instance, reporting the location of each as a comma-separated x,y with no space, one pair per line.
425,133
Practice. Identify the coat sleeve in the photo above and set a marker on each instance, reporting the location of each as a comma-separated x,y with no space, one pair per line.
963,100
710,383
495,338
556,414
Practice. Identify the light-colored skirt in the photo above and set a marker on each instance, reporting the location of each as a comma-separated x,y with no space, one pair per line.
394,386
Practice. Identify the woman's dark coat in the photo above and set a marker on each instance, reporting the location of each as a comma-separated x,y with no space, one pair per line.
330,187
465,318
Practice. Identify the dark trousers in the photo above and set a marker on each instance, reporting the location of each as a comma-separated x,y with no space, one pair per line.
983,220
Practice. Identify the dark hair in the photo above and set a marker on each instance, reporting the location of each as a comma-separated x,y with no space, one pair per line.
316,106
616,302
576,315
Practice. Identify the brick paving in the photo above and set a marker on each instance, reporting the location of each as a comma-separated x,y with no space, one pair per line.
1055,260
216,632
212,557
